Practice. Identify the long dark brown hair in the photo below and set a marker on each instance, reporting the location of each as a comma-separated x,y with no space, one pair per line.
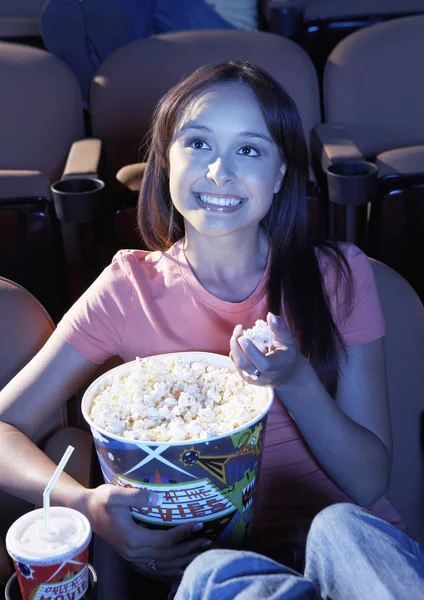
294,265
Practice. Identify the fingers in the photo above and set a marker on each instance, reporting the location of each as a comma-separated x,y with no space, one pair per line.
252,354
157,545
274,366
171,542
165,540
170,565
166,576
179,534
179,551
245,355
119,496
182,563
280,330
178,565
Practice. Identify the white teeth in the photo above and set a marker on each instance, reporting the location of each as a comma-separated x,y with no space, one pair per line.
219,201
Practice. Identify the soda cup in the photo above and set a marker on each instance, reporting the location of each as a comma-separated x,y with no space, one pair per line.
51,566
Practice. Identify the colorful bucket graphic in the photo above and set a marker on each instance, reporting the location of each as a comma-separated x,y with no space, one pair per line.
214,481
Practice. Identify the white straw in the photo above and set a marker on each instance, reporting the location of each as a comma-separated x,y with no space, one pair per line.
54,478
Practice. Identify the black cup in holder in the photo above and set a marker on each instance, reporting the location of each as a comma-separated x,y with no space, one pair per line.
78,199
352,182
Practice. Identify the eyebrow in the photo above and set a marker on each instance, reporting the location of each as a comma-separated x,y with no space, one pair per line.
246,134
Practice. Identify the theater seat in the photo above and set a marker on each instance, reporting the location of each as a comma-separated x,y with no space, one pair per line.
20,19
404,316
373,82
25,326
319,25
41,117
401,160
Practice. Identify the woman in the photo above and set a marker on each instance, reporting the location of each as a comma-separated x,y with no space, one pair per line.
223,208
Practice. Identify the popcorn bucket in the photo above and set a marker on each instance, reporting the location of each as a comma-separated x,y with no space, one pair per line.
212,480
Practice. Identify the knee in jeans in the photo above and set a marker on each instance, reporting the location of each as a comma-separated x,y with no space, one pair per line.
334,518
209,561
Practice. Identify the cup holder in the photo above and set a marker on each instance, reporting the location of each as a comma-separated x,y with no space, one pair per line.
78,199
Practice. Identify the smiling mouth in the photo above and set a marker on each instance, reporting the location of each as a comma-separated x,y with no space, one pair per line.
219,201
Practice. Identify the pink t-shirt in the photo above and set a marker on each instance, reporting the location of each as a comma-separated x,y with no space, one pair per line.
148,303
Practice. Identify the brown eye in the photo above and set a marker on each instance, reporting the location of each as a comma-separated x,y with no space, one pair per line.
197,144
248,150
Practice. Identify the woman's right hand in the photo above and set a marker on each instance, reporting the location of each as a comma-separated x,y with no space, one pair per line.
108,509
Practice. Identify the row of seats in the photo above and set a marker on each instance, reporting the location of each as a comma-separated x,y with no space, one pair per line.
372,84
21,18
319,25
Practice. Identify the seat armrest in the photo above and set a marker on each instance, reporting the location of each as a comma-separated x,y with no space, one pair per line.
284,18
332,143
79,196
84,159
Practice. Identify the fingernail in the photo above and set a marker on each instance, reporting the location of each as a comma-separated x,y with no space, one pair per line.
207,544
278,322
198,527
155,499
243,342
274,318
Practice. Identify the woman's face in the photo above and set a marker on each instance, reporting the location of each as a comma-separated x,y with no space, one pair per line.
224,165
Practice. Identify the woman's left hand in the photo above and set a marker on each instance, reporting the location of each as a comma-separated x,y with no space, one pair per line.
277,367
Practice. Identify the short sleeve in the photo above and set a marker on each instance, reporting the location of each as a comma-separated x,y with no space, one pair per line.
95,323
363,320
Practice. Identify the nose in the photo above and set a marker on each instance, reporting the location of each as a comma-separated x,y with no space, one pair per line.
220,172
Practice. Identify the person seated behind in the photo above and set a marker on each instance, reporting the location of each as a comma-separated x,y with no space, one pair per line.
350,554
83,33
223,208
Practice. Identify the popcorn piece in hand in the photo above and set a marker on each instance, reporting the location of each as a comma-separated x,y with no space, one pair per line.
261,335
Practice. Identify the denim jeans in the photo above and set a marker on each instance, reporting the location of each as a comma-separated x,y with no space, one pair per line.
148,17
350,555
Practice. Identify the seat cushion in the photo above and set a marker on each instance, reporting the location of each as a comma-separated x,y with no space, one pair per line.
19,28
23,184
40,110
401,160
373,83
20,18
